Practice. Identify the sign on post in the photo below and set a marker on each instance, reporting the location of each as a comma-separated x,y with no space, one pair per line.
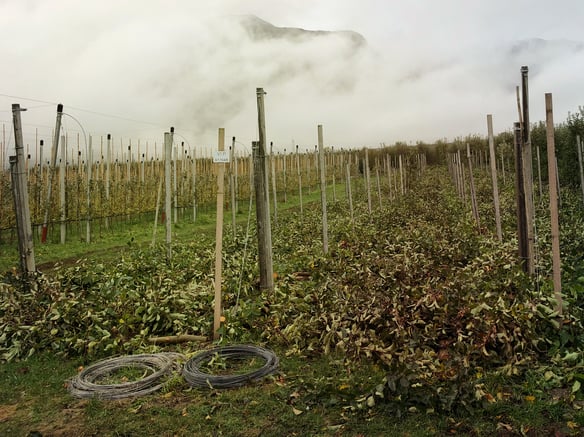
221,156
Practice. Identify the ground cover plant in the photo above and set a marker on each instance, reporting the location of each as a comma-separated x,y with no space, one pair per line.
415,322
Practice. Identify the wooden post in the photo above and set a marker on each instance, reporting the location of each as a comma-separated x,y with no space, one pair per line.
232,186
580,166
219,237
528,173
175,184
285,178
167,190
263,200
520,195
89,159
402,176
108,160
378,186
475,209
323,190
555,225
194,185
349,193
334,174
494,177
62,189
52,166
156,211
503,168
299,178
273,168
539,184
20,194
236,178
368,180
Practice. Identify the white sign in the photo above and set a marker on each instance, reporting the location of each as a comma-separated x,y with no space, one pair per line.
221,156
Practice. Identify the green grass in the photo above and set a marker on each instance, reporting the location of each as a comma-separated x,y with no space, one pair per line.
308,395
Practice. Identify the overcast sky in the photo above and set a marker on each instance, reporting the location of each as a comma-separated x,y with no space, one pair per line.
429,69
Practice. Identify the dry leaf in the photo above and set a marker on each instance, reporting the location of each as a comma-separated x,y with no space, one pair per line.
296,411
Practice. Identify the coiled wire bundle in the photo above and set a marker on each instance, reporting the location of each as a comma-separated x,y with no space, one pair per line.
196,378
155,366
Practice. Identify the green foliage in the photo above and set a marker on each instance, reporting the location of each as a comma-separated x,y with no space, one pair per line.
412,288
94,309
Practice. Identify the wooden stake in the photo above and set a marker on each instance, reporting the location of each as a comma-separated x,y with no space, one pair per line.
539,185
263,200
494,177
176,339
520,195
349,193
368,180
62,188
219,237
89,158
273,168
402,176
580,166
475,209
232,187
157,210
20,193
194,186
378,186
285,177
167,191
175,184
52,167
108,161
299,178
555,225
528,174
323,190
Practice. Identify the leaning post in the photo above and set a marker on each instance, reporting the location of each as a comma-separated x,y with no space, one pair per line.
20,194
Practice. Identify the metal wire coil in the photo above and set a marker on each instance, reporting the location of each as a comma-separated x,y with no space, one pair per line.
160,365
196,378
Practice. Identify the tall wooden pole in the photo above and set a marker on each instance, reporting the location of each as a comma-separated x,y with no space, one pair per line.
368,181
494,177
175,184
285,178
52,172
89,158
539,184
299,174
580,166
349,193
520,195
555,224
167,191
273,169
402,176
21,203
323,190
475,208
108,162
236,178
219,237
378,186
528,172
63,188
232,165
263,200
